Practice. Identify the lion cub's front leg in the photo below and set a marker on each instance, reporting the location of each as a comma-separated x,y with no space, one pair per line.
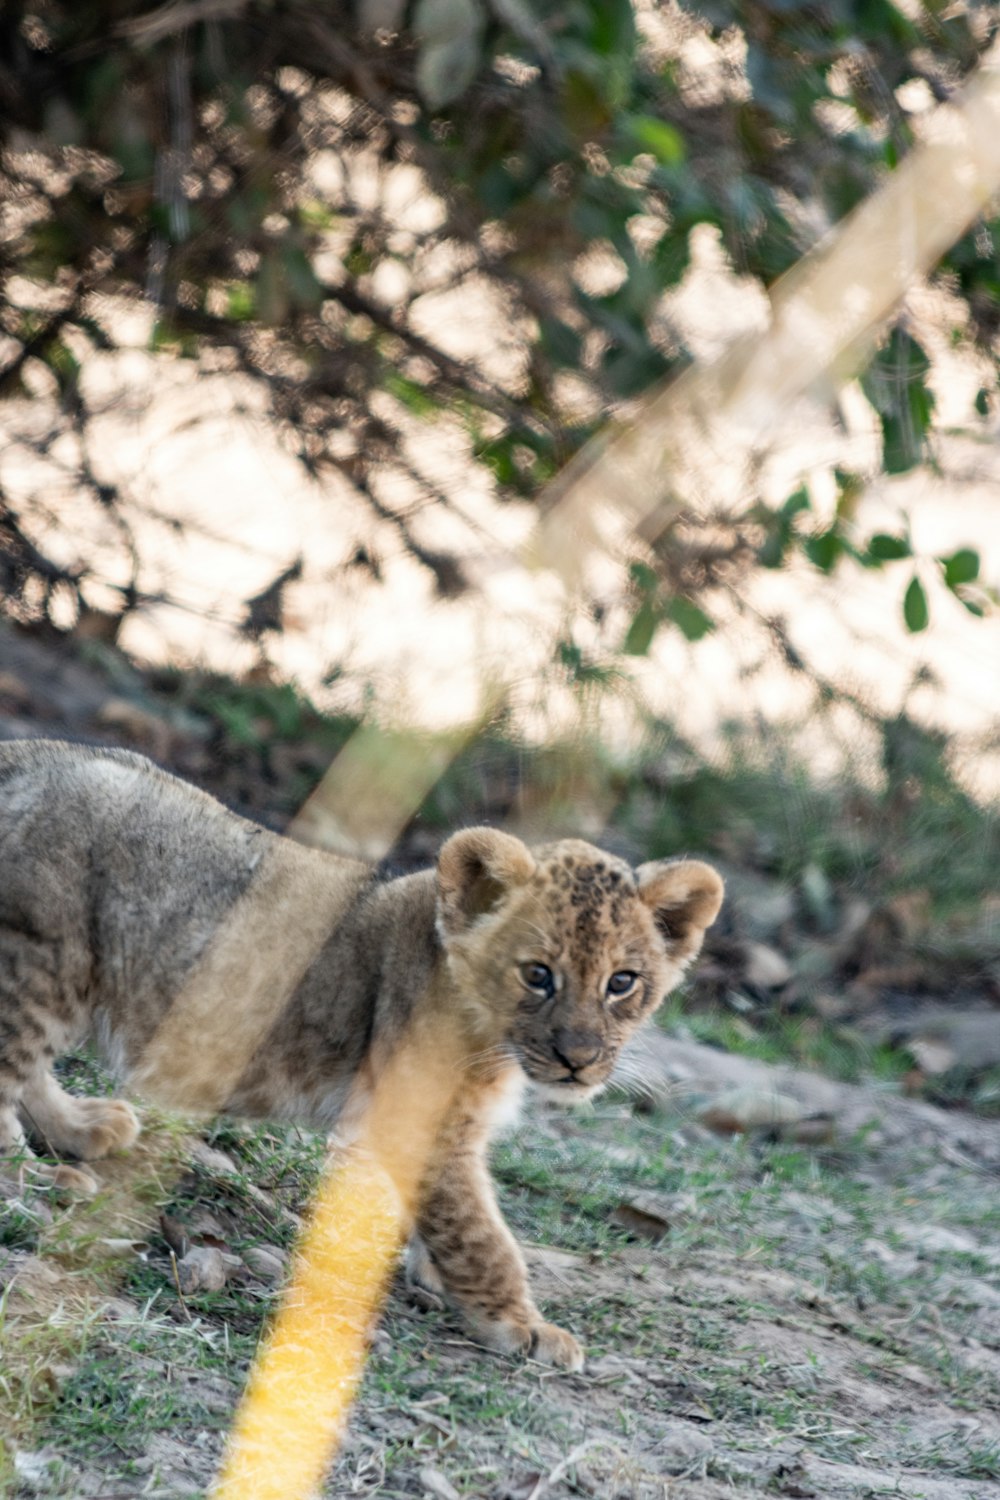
481,1269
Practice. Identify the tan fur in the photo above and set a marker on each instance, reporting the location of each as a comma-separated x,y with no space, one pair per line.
234,970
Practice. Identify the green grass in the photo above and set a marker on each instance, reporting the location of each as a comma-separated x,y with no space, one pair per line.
737,1204
897,821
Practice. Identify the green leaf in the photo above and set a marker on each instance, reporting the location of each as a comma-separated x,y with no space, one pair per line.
241,301
961,567
62,362
641,631
410,393
671,258
983,401
915,610
771,553
896,385
663,140
690,619
823,550
797,502
303,286
643,576
561,342
498,456
612,26
885,548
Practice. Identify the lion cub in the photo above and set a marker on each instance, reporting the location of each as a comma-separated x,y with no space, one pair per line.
122,885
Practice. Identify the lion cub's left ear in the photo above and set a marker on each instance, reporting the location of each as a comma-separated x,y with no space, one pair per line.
476,869
685,896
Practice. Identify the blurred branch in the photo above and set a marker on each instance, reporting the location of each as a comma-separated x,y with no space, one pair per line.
177,15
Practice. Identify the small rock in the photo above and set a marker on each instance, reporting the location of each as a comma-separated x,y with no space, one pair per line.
683,1448
971,1292
609,1369
935,1238
765,968
34,1470
208,1229
811,1130
213,1161
267,1262
437,1484
205,1269
897,1261
749,1108
916,1376
833,1007
645,1216
119,1310
933,1055
124,1248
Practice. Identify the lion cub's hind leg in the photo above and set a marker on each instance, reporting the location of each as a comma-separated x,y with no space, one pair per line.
37,1014
85,1128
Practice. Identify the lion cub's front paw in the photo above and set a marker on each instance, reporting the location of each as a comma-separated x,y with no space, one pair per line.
554,1346
543,1342
100,1126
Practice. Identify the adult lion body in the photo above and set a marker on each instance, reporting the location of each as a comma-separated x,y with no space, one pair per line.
265,979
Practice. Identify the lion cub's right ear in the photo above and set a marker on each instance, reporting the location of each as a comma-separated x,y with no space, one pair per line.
684,896
476,869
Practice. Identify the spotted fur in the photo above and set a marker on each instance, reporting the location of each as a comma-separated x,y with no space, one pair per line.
136,909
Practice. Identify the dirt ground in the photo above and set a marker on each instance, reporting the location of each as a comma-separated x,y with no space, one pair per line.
760,1317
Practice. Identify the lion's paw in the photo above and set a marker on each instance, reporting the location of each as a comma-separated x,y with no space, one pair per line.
543,1342
76,1182
99,1127
554,1346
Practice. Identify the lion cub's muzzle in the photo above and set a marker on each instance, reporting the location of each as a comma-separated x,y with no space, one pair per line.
572,1062
577,1051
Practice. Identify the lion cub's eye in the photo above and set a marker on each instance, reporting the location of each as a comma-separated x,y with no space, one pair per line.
619,984
539,977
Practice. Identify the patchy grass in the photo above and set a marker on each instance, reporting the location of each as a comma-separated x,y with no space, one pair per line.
798,1311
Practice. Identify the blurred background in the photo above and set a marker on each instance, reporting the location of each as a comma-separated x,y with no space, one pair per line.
302,308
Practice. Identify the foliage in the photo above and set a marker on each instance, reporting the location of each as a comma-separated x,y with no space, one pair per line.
219,160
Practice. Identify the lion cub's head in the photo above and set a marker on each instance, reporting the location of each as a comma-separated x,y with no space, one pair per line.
559,954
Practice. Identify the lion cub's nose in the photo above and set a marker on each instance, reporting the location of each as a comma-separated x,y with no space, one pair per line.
576,1049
